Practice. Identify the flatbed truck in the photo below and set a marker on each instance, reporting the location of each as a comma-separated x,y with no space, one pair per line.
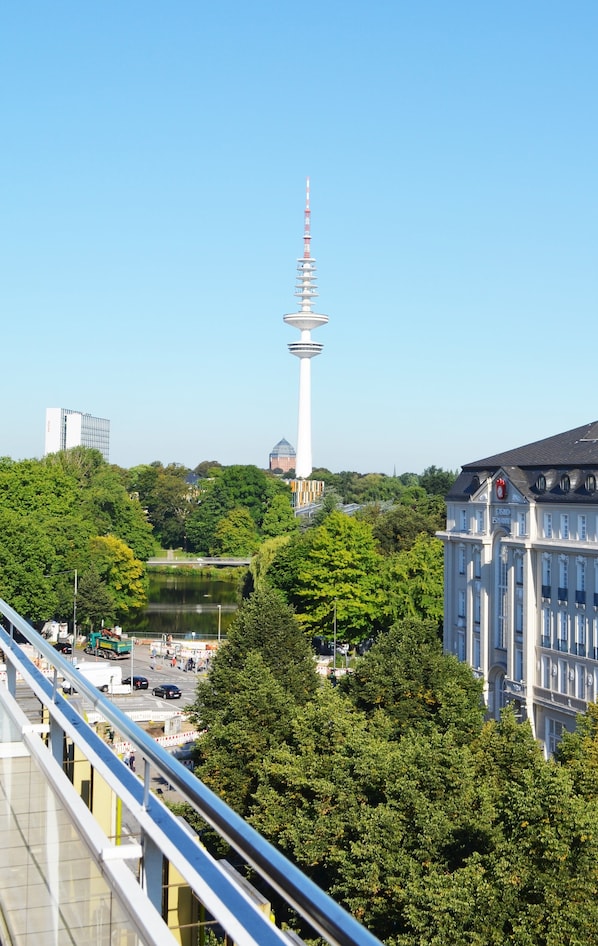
108,644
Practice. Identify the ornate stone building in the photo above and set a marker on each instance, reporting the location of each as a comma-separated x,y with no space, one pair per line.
521,578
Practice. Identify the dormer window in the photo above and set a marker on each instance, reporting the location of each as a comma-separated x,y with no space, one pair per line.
591,483
541,483
565,483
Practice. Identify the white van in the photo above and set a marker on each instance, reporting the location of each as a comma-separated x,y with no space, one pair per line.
105,676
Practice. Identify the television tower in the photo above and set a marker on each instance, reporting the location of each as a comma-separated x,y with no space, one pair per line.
305,349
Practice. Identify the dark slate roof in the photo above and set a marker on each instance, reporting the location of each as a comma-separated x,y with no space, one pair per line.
578,447
574,452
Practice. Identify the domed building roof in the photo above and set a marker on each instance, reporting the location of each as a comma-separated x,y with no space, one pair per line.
283,449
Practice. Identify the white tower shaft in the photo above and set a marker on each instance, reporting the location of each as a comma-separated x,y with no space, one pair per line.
305,320
303,465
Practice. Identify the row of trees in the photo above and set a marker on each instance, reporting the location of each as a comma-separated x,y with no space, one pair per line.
430,825
67,513
232,510
74,512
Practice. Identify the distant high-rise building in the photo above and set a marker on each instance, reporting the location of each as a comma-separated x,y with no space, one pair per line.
305,349
66,428
282,457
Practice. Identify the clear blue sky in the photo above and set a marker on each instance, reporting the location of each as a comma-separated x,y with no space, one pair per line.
153,161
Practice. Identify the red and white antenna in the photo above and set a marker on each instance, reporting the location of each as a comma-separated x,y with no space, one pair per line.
307,232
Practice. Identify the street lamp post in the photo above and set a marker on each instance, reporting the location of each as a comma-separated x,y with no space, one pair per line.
132,664
75,610
334,644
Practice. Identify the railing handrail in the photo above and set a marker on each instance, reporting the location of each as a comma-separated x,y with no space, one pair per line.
330,920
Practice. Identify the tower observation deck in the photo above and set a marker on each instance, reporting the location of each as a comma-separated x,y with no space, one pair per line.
305,349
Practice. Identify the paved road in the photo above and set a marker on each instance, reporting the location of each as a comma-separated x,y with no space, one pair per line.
157,671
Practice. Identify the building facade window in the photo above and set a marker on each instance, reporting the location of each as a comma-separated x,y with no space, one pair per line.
580,682
461,646
580,585
519,612
519,569
546,576
580,635
521,523
502,600
563,577
519,663
546,681
554,734
563,632
481,521
477,652
461,604
461,558
464,522
591,483
562,676
565,483
564,525
582,528
477,563
548,525
546,627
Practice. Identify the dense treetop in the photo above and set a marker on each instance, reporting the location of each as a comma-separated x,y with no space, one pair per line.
71,512
430,825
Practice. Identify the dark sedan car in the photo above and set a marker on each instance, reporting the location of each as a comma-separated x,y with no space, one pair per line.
168,691
64,647
139,683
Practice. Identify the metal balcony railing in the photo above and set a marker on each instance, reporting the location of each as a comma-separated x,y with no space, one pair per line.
54,749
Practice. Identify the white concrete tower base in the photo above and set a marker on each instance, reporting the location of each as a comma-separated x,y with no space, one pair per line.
303,465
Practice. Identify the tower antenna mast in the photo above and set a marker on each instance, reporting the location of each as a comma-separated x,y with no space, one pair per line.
306,321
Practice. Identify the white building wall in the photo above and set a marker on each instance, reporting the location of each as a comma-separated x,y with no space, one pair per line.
551,678
66,429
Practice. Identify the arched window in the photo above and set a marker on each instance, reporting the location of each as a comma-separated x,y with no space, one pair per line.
591,483
541,483
565,483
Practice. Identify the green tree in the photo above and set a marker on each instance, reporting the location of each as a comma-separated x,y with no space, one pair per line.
437,481
26,557
256,717
167,498
235,486
407,675
371,821
266,625
414,582
123,574
236,534
398,529
578,752
94,601
336,562
279,518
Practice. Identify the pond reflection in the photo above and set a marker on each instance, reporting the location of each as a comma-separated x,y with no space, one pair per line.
185,603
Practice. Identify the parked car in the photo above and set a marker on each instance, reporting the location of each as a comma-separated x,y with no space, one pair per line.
64,647
168,691
139,683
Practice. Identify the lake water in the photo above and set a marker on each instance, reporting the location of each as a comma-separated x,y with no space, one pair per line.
185,604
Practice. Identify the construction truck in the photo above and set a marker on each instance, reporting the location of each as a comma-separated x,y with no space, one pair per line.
108,643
